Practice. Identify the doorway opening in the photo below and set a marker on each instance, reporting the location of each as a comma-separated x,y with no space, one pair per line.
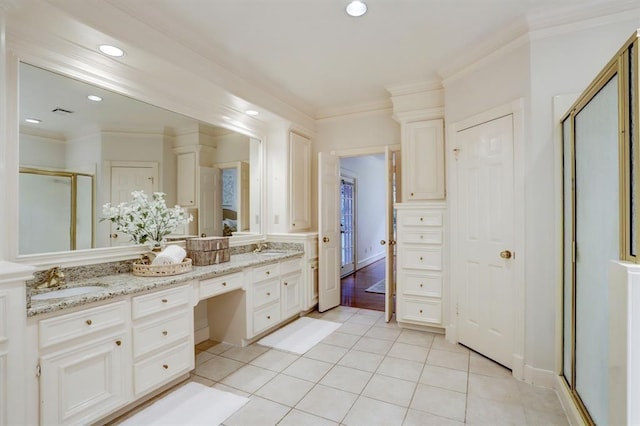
363,211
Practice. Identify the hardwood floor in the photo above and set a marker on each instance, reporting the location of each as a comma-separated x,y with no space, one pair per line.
354,286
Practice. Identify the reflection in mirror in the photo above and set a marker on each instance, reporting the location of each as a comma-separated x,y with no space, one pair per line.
116,145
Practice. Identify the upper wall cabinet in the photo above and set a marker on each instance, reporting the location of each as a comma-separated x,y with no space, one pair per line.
423,160
299,183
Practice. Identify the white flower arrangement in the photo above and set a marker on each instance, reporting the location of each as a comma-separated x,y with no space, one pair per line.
146,220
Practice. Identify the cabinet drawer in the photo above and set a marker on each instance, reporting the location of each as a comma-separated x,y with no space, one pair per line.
156,334
421,284
266,317
427,258
218,285
80,324
160,301
265,272
421,310
159,369
266,292
433,218
424,236
288,266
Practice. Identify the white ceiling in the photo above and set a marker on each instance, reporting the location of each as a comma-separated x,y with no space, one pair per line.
310,51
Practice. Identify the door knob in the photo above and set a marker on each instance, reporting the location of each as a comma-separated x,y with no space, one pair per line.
383,242
506,254
326,239
114,235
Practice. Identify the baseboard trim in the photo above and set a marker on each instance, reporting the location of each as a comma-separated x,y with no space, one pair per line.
369,260
539,377
518,368
569,406
201,335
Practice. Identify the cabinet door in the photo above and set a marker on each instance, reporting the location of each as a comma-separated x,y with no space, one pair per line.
290,295
186,171
299,183
83,383
423,160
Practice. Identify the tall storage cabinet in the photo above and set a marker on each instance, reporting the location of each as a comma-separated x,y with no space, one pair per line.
420,263
423,160
299,183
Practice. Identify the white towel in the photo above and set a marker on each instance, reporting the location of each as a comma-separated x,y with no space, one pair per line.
170,255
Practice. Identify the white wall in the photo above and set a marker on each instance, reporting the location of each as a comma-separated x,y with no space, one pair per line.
42,152
369,172
365,130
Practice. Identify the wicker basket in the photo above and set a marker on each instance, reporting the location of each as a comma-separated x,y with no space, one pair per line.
143,269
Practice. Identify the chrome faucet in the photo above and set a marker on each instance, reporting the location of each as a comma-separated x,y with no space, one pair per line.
55,278
260,247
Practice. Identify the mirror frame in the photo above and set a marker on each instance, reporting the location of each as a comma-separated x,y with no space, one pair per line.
95,74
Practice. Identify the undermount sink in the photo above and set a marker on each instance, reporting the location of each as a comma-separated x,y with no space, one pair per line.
67,292
271,252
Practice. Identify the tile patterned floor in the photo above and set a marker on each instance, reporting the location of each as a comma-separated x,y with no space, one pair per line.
369,372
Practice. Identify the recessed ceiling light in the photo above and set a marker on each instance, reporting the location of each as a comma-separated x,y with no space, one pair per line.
252,112
94,98
33,120
356,8
107,49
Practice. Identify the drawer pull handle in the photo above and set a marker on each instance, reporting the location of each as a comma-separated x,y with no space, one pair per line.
89,322
118,342
165,366
268,316
164,300
224,284
165,332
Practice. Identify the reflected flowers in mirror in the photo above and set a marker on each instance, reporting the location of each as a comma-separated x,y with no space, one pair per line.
147,220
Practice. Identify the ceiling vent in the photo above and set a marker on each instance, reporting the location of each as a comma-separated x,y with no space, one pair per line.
62,111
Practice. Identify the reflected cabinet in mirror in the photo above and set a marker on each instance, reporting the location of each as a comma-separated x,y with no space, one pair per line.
82,146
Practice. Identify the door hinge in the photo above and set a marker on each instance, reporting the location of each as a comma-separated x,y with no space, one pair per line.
38,370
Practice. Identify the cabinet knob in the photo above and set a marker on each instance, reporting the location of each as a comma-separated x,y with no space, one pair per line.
420,310
114,236
268,294
165,366
421,285
293,224
165,300
268,272
420,258
224,284
268,316
89,322
421,219
165,332
422,237
286,283
118,342
412,194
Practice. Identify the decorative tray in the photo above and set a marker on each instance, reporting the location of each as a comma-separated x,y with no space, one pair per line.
143,268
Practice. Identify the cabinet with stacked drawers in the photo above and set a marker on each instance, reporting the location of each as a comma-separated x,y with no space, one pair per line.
420,263
162,337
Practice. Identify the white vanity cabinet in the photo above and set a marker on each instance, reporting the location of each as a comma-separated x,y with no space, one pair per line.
163,347
13,394
423,160
299,183
290,288
265,298
186,172
420,263
85,364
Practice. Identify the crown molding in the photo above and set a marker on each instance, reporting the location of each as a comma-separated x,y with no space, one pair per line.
411,88
365,108
535,27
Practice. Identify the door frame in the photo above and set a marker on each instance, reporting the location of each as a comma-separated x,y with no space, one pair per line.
516,110
359,152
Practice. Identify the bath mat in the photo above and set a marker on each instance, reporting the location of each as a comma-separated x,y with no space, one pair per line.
192,404
300,336
377,287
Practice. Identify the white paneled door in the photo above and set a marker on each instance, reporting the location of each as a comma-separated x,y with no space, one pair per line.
328,231
390,259
210,214
126,178
484,220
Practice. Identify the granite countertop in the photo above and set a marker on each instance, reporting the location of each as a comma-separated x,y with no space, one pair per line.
126,283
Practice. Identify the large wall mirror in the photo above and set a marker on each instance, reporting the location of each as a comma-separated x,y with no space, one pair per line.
82,146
